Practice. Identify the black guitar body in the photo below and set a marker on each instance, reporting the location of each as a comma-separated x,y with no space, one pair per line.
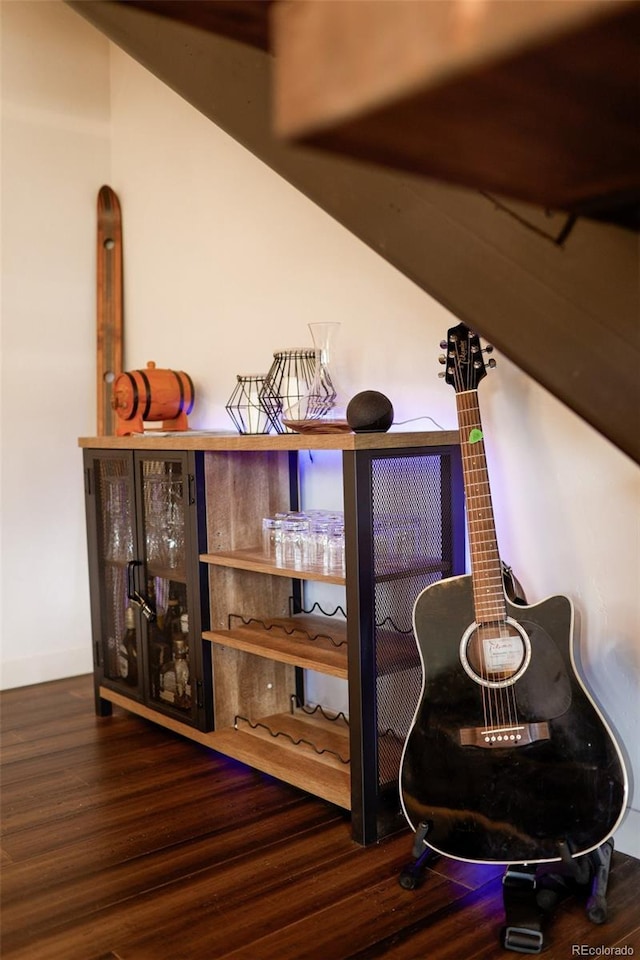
507,802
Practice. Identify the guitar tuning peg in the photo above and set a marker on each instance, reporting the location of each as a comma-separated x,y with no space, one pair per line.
492,362
441,374
488,348
443,344
442,358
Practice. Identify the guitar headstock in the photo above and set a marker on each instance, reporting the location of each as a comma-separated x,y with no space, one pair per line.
465,366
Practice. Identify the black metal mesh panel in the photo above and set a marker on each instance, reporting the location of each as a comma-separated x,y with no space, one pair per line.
115,549
411,549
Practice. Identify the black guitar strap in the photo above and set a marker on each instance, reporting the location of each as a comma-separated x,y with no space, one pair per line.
530,894
523,929
512,586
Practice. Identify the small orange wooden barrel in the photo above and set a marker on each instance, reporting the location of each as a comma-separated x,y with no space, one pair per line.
151,394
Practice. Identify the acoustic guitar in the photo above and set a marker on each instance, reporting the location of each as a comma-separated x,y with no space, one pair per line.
508,759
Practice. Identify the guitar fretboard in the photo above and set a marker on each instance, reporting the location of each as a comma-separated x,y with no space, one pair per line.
486,569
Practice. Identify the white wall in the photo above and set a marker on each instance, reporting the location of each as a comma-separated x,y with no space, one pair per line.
55,155
224,263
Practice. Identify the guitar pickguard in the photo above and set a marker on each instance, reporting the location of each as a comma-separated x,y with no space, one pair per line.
544,691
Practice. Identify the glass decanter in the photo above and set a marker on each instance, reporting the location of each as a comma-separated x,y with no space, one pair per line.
323,408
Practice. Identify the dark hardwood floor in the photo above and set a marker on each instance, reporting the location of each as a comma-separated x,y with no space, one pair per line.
121,840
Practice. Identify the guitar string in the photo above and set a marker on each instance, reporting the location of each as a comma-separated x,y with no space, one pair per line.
492,607
482,561
503,697
506,695
499,705
464,431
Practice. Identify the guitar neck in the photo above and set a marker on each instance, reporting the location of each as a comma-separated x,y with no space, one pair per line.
486,568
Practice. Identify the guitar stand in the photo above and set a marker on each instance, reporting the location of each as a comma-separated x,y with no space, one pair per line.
412,875
530,894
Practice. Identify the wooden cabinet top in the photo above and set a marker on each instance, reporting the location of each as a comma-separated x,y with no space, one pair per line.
205,440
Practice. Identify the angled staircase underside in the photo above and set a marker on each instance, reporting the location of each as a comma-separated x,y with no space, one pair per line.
556,290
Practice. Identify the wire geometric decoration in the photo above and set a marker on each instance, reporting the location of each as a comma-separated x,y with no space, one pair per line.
287,382
245,407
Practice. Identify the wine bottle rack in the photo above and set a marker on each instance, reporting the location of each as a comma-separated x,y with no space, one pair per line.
297,729
302,640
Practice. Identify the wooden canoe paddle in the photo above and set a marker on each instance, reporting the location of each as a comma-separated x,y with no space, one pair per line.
109,307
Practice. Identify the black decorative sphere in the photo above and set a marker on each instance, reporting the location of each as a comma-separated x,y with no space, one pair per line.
370,412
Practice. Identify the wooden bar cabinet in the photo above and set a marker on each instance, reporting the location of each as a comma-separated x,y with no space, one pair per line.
197,628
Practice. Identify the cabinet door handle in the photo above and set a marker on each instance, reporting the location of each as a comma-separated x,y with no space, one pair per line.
135,596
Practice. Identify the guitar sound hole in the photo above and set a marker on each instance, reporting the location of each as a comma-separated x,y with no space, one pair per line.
495,654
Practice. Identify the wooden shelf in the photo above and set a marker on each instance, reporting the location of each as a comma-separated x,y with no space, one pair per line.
395,651
399,570
310,642
289,754
300,765
390,749
254,559
218,441
287,640
311,734
178,574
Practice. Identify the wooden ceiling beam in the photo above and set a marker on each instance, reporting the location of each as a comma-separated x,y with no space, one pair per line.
538,101
246,21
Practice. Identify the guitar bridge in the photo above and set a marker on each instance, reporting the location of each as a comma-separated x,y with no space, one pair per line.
517,735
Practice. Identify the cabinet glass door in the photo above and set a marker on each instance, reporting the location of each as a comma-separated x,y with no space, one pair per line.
115,531
163,532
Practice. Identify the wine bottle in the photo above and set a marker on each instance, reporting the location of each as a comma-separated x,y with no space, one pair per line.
128,653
